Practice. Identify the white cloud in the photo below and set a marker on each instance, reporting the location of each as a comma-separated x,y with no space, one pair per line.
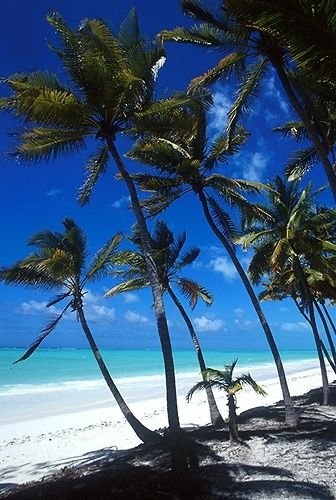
274,92
54,193
254,165
35,307
300,326
124,200
239,311
204,324
224,266
90,297
243,324
130,298
217,116
134,317
97,312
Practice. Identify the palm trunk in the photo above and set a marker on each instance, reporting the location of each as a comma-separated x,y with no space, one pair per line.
215,416
323,347
329,318
146,435
179,460
290,413
327,331
233,427
312,320
309,125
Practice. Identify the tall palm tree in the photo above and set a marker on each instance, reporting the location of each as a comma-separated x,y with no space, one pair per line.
59,264
186,163
111,78
169,260
223,380
249,36
293,247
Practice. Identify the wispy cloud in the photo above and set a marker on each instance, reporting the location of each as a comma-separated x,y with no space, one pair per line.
35,307
277,96
134,317
130,298
124,200
239,312
217,116
54,193
204,324
224,266
300,326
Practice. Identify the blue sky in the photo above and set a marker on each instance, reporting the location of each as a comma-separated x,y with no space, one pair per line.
38,197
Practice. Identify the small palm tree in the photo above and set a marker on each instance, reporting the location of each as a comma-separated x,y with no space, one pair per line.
224,381
59,264
169,260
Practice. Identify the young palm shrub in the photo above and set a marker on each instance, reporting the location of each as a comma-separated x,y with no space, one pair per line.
253,36
169,260
295,248
188,163
111,79
223,380
59,264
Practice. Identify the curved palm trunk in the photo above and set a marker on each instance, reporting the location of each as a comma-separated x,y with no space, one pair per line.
312,320
179,456
215,416
313,135
173,418
233,427
329,318
143,433
290,413
327,331
323,347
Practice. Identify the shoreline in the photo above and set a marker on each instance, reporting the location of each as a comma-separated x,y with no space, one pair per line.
36,448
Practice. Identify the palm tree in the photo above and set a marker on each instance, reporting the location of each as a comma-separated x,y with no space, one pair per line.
59,264
293,248
224,381
186,164
248,33
169,262
109,91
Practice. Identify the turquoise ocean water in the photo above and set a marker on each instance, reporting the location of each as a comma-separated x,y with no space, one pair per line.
55,366
66,381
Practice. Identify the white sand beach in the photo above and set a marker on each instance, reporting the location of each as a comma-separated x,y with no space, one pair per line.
44,438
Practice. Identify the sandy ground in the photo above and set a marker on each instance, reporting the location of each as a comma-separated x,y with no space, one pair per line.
36,448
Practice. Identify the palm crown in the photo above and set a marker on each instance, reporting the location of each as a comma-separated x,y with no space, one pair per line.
59,264
169,260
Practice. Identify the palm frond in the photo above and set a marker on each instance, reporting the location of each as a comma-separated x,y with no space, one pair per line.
50,327
301,163
246,379
96,166
103,261
44,144
293,129
222,149
222,220
231,63
129,286
247,90
192,291
188,257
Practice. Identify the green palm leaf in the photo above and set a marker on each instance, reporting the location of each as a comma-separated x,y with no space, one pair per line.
96,166
301,163
103,261
129,286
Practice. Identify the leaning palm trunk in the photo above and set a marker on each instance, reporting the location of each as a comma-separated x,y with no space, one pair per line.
179,460
312,321
311,130
215,416
290,413
323,347
146,435
327,331
329,318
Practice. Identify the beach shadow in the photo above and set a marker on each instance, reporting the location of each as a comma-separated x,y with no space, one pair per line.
7,486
